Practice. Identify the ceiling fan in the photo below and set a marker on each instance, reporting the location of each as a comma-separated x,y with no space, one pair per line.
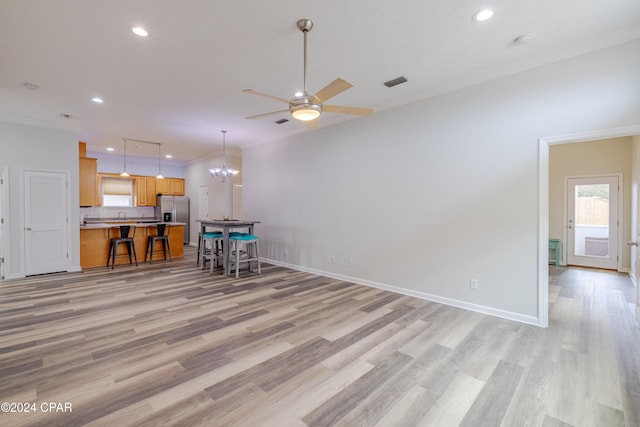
304,106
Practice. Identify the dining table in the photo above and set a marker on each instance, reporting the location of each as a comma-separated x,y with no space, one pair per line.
227,225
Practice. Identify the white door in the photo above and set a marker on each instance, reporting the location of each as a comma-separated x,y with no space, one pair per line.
593,221
46,222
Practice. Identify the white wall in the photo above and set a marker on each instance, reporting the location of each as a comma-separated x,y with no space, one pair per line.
23,147
425,197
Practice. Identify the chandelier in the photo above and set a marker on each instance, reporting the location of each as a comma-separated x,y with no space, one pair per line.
224,171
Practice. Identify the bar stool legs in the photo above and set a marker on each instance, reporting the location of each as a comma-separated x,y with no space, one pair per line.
252,254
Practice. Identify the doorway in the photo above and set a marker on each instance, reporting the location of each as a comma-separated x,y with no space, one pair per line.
593,221
543,205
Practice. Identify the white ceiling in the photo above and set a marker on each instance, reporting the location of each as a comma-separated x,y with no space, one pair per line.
181,85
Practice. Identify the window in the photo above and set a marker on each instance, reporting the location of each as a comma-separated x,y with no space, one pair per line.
117,192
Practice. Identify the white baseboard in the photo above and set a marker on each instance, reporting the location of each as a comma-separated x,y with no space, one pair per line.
491,311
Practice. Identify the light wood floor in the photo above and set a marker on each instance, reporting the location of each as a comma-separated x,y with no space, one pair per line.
169,344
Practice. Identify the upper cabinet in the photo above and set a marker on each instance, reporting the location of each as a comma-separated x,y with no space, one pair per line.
145,191
170,186
177,186
88,175
89,182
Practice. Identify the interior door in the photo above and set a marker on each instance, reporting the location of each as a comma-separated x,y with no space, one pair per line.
45,224
593,221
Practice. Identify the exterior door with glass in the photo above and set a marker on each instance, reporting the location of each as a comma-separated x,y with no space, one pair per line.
593,221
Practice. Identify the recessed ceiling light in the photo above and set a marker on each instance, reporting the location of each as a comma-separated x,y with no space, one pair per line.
97,100
110,149
31,86
298,93
139,31
168,156
482,15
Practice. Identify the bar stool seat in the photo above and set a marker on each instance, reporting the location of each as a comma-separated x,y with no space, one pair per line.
162,235
252,254
125,237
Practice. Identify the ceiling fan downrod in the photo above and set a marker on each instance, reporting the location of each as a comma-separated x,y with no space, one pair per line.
305,25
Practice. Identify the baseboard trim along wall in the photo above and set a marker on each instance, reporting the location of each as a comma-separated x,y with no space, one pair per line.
530,320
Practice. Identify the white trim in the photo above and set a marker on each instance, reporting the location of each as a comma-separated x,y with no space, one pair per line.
543,203
7,218
543,233
531,320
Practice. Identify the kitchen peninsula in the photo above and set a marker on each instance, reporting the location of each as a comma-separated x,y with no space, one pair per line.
94,242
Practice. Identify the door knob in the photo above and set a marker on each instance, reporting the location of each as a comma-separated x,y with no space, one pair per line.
630,243
28,228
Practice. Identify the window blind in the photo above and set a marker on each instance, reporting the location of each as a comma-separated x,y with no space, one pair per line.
117,186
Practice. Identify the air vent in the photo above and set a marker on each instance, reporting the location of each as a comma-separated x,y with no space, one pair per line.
281,121
395,82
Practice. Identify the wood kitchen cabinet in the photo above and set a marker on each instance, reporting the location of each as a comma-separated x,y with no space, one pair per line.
170,186
145,191
177,187
89,194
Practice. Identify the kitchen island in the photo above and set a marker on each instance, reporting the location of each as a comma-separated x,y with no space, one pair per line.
94,242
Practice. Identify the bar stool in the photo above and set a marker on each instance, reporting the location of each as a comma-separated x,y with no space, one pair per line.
162,235
213,254
251,244
126,237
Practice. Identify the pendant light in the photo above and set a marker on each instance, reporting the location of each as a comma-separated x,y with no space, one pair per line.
224,171
124,171
159,176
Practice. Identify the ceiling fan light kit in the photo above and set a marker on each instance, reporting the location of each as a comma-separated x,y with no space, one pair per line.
307,107
305,111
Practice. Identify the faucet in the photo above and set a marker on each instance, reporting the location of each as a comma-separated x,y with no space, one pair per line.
122,215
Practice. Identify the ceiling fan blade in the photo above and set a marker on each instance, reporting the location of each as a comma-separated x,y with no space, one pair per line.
265,95
332,89
273,113
358,111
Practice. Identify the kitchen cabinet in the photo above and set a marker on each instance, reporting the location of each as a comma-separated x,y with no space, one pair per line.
170,186
89,194
145,191
177,187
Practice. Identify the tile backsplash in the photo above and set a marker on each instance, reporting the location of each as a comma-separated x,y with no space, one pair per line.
112,212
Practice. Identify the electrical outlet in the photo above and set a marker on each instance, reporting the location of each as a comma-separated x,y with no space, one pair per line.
473,283
286,251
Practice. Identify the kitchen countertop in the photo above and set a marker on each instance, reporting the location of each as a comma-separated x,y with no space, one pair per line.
111,224
116,219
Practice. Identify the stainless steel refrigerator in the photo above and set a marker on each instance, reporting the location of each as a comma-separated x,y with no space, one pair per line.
174,209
